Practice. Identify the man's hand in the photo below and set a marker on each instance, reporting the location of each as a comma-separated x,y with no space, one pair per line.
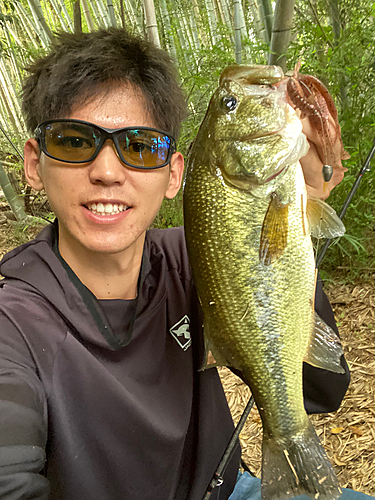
317,156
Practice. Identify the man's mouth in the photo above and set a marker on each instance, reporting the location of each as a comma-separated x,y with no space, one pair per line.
106,208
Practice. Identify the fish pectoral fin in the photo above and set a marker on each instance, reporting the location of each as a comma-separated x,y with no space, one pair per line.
212,358
274,236
323,220
325,348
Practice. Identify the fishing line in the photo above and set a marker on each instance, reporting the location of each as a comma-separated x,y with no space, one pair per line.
366,168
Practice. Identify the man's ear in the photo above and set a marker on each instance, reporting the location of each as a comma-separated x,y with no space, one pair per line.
175,175
31,164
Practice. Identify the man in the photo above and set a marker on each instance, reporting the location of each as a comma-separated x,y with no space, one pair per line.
101,338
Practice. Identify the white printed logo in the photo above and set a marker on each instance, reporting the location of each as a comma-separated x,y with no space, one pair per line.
181,332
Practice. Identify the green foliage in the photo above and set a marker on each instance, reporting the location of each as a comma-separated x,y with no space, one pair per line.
346,64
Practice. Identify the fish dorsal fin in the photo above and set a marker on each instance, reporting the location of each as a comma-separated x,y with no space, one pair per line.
323,220
274,236
325,348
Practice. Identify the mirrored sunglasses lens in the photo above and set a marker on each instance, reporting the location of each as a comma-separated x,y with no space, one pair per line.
71,141
144,148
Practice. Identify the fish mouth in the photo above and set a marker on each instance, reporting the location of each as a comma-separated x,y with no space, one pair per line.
251,137
275,175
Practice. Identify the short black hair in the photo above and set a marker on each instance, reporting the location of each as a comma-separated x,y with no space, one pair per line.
79,65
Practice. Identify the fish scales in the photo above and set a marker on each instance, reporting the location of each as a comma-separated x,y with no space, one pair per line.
258,314
262,300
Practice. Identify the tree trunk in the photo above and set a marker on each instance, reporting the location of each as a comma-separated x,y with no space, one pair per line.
282,26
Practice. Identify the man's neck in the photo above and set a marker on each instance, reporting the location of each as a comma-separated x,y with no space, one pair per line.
107,276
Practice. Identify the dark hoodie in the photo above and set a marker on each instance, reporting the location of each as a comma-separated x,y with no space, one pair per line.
117,413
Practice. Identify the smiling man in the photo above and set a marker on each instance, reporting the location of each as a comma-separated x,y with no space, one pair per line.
100,326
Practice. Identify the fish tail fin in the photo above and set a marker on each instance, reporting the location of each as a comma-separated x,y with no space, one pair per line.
297,465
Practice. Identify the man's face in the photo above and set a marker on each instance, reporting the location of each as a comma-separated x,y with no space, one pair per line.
74,191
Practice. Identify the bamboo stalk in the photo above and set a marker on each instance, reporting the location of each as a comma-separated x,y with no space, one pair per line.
87,14
151,24
24,21
11,94
9,111
57,10
77,16
257,23
111,11
237,31
199,23
66,14
211,20
194,30
37,9
133,13
164,14
11,197
97,15
185,27
103,12
266,16
34,24
281,30
11,52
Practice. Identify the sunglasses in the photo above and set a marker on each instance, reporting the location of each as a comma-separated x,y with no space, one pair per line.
77,141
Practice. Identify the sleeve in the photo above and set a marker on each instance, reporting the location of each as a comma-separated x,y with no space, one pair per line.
323,389
23,420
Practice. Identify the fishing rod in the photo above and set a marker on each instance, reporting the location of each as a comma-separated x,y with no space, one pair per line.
217,478
366,168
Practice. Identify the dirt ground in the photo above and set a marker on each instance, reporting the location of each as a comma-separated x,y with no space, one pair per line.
348,434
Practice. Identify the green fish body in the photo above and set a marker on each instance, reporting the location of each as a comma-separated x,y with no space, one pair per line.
249,244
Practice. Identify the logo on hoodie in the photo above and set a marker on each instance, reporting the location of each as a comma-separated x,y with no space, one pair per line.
181,332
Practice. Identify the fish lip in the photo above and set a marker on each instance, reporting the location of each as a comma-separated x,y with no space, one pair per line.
250,137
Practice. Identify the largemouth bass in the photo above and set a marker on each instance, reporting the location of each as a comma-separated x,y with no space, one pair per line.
248,225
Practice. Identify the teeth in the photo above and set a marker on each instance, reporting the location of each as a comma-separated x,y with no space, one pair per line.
106,208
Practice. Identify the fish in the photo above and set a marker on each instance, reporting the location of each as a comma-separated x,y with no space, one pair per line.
248,226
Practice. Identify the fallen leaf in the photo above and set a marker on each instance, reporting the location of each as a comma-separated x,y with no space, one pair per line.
337,430
356,430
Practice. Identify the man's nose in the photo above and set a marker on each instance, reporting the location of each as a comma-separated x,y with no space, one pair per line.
107,167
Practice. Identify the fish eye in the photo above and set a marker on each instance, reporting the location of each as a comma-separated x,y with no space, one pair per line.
229,103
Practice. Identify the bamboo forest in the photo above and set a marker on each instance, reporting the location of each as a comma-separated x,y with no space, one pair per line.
332,40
